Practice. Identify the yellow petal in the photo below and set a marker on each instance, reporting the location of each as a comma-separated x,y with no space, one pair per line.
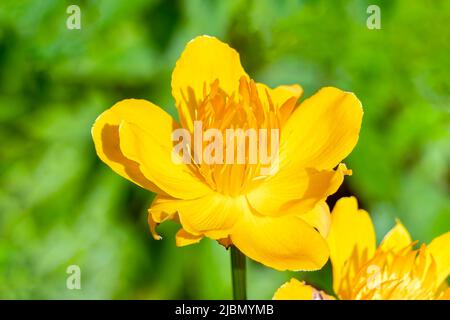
445,295
280,242
322,131
184,238
204,60
212,215
319,218
284,92
162,208
439,248
280,94
105,133
155,218
396,239
150,148
283,98
351,230
298,290
159,213
294,290
153,224
290,187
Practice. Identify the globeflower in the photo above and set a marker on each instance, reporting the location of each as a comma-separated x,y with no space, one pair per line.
272,211
394,270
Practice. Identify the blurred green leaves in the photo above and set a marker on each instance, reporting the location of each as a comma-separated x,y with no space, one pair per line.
60,206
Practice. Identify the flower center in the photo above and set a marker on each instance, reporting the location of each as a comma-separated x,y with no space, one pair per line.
404,275
239,135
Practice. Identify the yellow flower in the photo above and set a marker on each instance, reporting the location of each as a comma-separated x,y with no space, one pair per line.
394,270
272,218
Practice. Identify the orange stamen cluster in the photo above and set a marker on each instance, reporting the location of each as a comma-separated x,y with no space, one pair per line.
252,108
406,274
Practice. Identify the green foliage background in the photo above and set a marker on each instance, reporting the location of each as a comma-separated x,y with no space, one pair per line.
59,205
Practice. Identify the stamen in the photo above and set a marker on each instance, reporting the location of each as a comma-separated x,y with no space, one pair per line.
218,110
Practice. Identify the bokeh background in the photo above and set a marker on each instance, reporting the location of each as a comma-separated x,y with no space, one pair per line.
59,205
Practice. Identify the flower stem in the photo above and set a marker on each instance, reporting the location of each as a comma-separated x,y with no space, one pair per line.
238,274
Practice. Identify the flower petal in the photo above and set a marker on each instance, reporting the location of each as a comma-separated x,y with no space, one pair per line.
294,290
105,133
184,238
319,218
281,243
284,92
298,290
156,217
439,248
204,60
322,131
445,295
162,208
212,215
152,147
396,239
284,98
153,224
351,229
290,187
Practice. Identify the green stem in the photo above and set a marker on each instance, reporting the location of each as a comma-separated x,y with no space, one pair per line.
238,274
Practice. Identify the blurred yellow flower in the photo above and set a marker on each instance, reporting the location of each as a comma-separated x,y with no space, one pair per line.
278,218
394,270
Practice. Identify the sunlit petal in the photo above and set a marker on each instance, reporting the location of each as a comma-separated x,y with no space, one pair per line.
294,187
351,231
396,239
282,243
322,131
150,149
